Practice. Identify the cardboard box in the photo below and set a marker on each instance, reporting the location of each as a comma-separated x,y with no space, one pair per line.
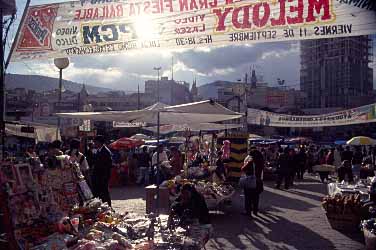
162,205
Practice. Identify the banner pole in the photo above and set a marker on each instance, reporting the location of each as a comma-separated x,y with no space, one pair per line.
17,34
2,87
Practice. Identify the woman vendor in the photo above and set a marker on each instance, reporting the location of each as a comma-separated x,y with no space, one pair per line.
191,205
220,171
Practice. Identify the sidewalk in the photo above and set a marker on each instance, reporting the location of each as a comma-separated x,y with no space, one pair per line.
288,220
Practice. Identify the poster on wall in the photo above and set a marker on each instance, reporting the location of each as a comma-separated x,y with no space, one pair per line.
364,114
88,27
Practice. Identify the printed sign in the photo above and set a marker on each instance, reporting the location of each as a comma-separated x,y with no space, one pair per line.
112,26
364,114
128,124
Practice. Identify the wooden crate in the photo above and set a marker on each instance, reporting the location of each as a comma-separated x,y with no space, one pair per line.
152,203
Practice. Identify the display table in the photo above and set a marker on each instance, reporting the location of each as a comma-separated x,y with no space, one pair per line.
338,188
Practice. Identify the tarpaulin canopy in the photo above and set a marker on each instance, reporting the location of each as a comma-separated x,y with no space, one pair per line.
190,113
165,129
39,132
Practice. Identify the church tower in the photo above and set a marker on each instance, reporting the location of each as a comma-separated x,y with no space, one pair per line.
194,90
253,79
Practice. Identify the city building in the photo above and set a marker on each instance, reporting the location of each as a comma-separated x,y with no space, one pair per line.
167,91
259,95
335,72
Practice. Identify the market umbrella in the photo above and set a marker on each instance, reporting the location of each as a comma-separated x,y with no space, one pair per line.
324,168
361,141
140,137
299,140
340,142
254,136
126,143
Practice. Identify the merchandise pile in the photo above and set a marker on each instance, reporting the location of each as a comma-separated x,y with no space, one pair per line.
214,194
343,211
342,204
52,207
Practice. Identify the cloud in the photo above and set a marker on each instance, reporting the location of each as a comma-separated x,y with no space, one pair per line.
207,64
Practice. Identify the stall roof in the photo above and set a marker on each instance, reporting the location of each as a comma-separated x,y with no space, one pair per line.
196,112
165,129
41,132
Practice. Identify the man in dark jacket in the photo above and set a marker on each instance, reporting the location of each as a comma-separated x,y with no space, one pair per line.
347,155
284,169
301,162
102,170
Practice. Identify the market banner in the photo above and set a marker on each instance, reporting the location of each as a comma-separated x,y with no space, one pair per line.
88,27
364,114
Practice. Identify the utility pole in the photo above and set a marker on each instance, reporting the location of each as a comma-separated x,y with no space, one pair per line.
245,103
138,97
158,69
172,68
6,8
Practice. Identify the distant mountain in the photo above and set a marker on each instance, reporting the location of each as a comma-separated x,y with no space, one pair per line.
44,83
210,90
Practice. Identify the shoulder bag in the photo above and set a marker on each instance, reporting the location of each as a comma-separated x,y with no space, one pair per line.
248,182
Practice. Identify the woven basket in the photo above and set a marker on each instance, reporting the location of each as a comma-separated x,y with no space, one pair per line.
344,222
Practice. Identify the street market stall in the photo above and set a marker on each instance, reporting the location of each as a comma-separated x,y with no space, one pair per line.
51,207
344,202
191,113
216,196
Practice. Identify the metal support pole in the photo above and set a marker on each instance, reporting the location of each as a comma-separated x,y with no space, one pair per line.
2,87
245,104
138,97
59,101
158,87
18,33
158,179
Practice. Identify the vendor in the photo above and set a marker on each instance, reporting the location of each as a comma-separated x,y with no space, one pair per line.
176,161
367,169
191,205
345,171
369,207
220,170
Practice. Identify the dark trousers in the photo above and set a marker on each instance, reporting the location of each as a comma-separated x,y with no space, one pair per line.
100,189
251,200
301,170
343,171
324,176
283,177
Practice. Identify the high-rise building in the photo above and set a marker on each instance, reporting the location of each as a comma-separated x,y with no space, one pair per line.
335,72
170,92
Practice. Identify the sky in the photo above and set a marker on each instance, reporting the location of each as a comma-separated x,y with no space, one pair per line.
126,71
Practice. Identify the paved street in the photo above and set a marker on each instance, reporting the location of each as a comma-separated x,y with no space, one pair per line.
290,219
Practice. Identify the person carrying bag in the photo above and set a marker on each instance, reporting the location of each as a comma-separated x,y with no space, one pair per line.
252,181
248,181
